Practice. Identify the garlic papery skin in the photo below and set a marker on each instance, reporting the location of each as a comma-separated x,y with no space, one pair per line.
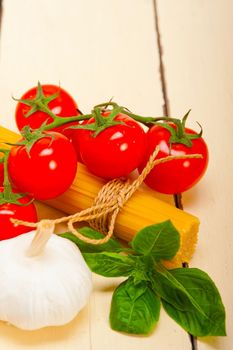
45,290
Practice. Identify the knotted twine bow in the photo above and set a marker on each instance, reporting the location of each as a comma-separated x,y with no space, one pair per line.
103,213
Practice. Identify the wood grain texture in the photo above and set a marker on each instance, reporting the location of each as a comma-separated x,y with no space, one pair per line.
95,49
0,13
198,53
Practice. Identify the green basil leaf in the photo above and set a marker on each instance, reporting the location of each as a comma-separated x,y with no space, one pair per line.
109,264
134,309
111,246
191,298
144,268
162,241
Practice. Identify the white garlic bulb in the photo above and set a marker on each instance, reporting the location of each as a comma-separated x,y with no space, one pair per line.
45,290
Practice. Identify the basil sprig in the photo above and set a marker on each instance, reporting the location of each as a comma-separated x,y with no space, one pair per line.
189,296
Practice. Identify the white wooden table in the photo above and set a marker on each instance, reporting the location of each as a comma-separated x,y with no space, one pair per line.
99,49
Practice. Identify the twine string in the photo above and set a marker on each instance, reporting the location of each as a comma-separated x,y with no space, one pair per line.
103,213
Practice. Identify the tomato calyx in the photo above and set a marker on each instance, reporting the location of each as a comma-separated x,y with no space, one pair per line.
178,134
7,195
30,136
101,122
39,103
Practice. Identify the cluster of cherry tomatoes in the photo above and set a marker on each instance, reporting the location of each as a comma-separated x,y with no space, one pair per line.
110,142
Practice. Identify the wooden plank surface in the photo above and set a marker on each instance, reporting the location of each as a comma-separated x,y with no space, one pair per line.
95,49
198,51
99,49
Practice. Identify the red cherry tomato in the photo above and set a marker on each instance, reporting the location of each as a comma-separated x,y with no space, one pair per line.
63,106
1,174
175,176
48,171
8,211
114,152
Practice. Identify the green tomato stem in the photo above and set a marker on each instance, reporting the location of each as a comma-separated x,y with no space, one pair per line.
100,121
60,121
106,104
8,196
149,120
6,183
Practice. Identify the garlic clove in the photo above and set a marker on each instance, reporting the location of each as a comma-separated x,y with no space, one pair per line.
45,290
